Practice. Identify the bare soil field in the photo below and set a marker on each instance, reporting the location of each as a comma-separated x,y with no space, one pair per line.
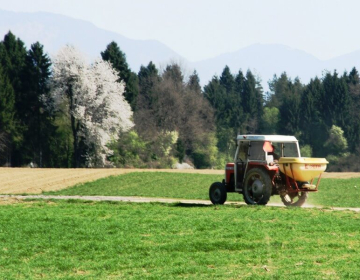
36,180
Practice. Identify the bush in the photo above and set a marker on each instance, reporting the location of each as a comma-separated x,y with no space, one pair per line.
205,152
306,151
346,163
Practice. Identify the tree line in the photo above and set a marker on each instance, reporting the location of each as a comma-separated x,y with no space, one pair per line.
66,112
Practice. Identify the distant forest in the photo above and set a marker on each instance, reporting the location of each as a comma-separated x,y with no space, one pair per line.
66,112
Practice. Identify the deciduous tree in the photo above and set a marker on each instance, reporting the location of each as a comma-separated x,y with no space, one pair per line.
94,102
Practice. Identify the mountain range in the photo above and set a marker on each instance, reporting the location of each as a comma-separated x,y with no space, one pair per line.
54,31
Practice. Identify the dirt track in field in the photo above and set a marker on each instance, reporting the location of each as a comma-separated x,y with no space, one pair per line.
12,199
36,180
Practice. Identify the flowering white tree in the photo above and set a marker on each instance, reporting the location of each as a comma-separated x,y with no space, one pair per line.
93,99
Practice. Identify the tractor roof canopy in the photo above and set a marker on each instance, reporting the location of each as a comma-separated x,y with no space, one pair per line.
270,138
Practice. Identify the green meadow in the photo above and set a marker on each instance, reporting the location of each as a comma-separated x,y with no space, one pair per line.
73,239
332,192
102,240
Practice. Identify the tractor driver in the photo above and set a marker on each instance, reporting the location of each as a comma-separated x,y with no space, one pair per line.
275,155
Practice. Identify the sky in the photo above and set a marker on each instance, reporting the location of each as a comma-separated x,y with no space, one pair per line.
202,29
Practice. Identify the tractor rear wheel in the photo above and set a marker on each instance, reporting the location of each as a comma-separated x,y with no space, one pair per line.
294,199
217,193
257,187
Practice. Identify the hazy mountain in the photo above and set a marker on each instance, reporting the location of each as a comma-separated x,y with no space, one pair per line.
55,31
267,60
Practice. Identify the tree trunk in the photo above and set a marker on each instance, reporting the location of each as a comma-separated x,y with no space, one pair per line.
75,128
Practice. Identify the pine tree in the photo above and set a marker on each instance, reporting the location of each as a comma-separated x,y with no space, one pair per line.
219,92
39,128
353,135
250,103
12,59
149,80
291,92
117,58
7,112
227,80
194,83
249,96
174,74
7,104
279,87
336,101
237,115
148,77
312,126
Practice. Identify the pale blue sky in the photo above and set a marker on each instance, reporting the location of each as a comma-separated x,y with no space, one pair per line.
200,29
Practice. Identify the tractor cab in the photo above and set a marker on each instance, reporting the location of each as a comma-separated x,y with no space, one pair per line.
261,151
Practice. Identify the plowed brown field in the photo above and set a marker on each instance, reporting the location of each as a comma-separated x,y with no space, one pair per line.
36,180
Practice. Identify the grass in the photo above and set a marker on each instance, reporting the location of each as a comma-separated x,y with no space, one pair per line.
338,193
83,240
332,192
150,184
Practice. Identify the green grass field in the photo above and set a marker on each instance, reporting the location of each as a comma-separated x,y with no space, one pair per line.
83,240
50,239
332,192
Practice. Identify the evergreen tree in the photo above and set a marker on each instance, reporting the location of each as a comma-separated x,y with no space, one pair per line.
336,101
237,116
249,96
260,101
174,74
194,83
227,80
252,102
117,58
148,77
149,80
279,87
291,92
39,128
313,128
353,135
7,105
7,112
225,96
215,94
12,59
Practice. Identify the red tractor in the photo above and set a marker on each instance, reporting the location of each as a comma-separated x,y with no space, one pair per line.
266,165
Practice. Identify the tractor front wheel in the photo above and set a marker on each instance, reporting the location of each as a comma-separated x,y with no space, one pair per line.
257,187
217,193
294,199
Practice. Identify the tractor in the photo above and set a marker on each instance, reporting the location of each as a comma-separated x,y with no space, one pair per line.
266,165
